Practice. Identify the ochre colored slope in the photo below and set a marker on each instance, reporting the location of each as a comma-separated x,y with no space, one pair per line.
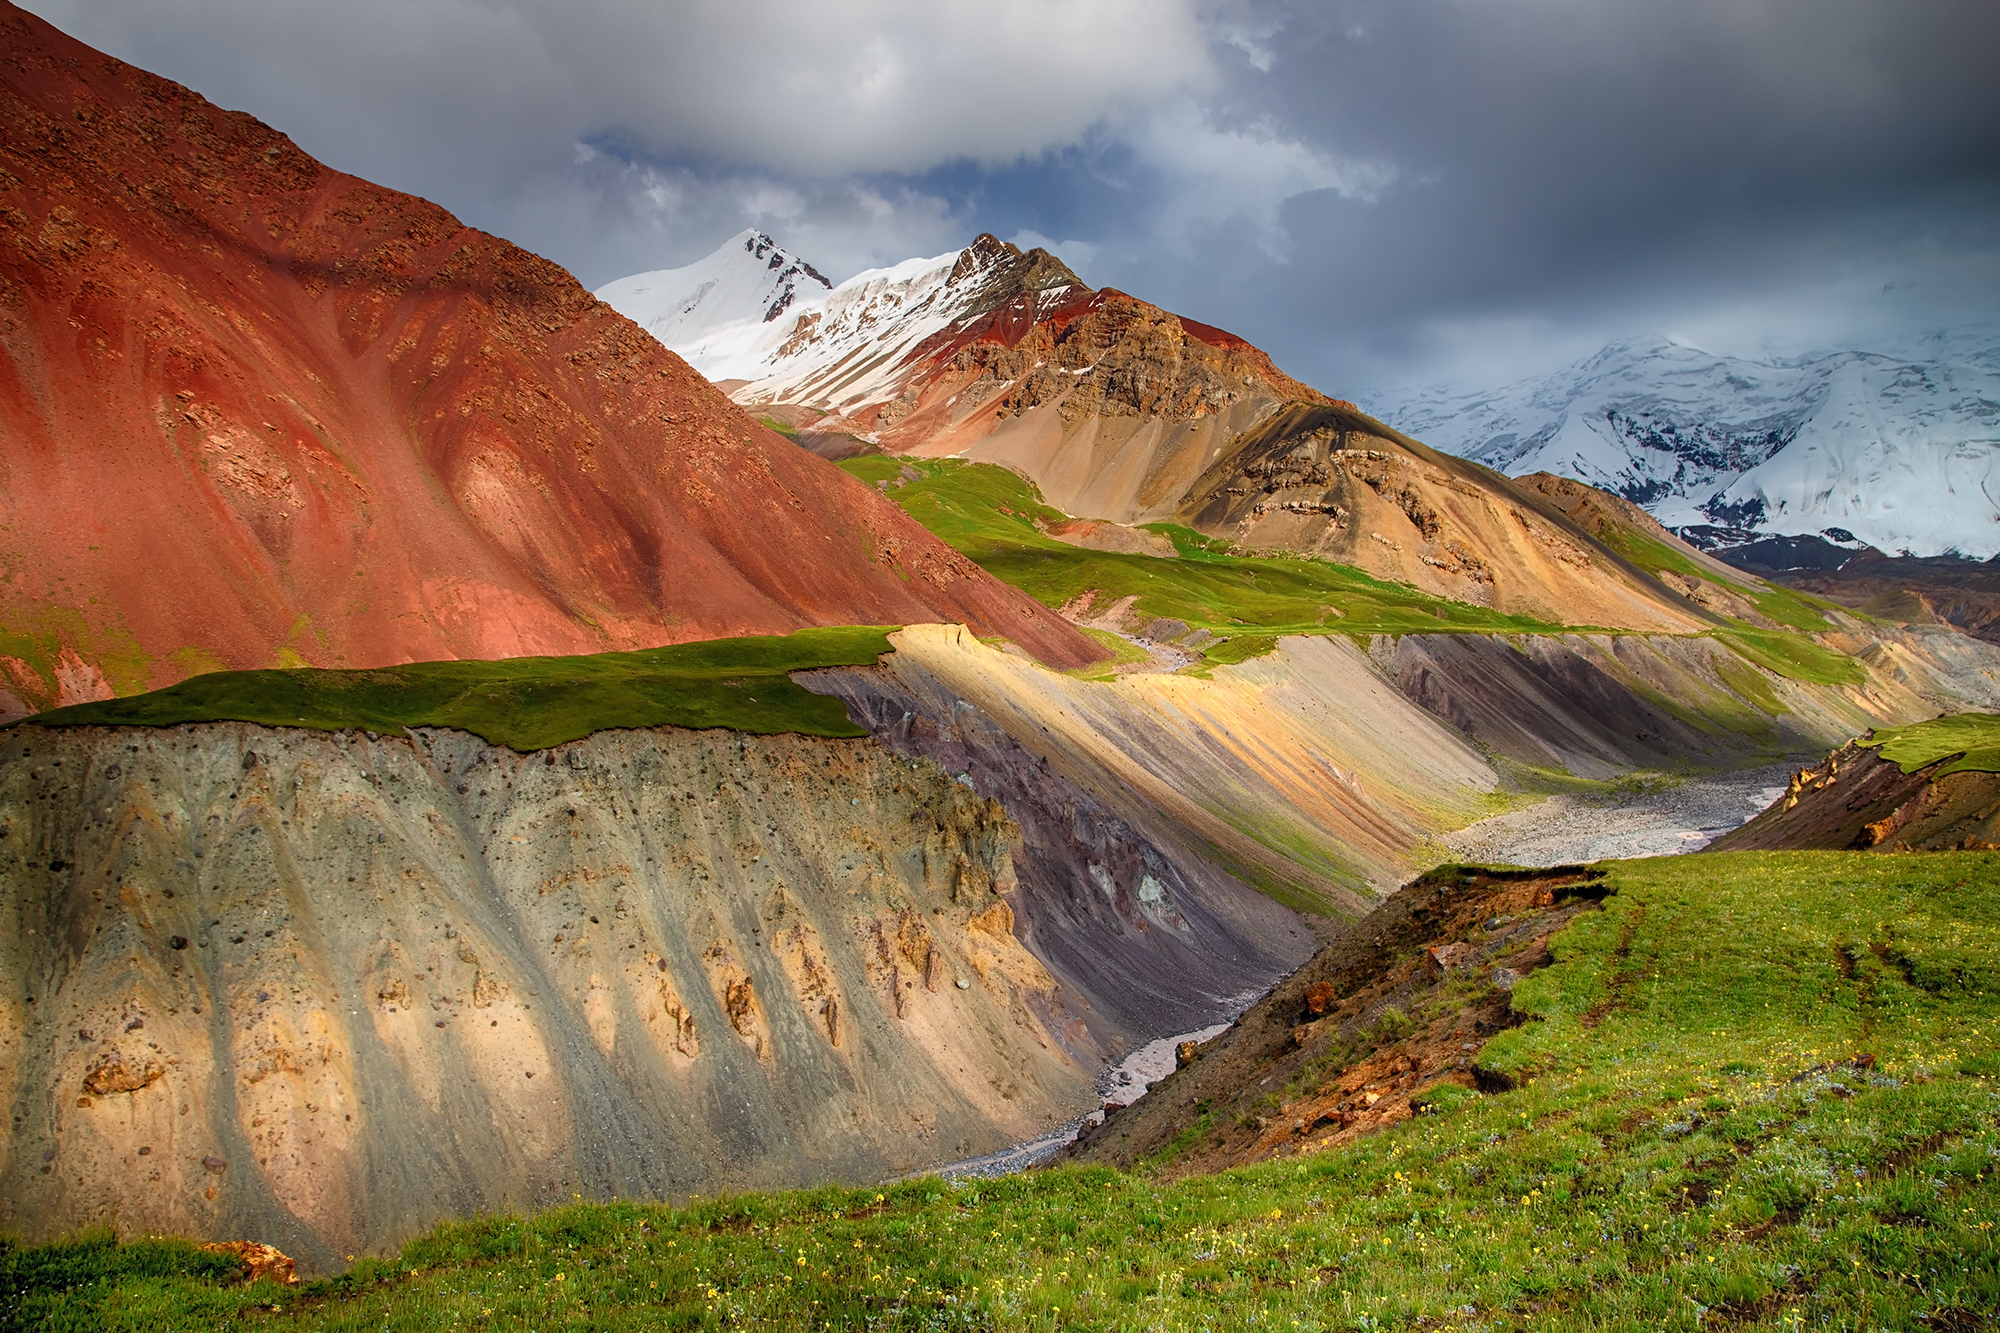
255,410
1329,481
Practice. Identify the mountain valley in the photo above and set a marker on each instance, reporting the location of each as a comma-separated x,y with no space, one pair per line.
557,810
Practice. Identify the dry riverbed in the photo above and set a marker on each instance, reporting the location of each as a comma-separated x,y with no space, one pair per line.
1660,821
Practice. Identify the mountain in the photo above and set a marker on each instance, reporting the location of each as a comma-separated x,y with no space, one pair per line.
255,411
1900,452
721,310
1112,404
1125,413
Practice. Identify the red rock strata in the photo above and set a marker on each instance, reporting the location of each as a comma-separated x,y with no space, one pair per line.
256,410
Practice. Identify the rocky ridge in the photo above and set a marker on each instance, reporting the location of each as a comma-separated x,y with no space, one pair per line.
1854,799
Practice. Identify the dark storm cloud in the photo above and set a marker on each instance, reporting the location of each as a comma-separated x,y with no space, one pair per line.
1367,188
1592,164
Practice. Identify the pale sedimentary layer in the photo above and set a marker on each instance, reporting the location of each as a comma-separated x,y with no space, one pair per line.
324,990
1304,772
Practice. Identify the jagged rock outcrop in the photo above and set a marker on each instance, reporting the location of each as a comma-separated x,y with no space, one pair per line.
1854,799
258,412
323,990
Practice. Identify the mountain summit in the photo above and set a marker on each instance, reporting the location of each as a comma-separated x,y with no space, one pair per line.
1112,404
258,412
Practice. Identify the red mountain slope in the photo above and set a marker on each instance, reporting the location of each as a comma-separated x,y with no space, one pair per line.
254,410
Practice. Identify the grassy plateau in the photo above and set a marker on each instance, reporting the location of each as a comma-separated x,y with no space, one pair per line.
1974,737
526,703
1755,1090
991,514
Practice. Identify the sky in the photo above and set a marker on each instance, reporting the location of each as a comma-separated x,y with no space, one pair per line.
1377,192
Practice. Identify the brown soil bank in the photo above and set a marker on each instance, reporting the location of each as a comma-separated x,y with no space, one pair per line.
1391,1011
323,990
1854,798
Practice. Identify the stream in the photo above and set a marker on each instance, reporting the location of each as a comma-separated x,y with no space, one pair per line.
1562,830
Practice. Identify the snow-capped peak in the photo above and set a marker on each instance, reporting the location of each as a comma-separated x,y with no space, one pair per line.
821,345
715,308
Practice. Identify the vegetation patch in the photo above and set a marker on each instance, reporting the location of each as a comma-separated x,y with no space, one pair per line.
1123,652
1974,737
997,518
1793,656
1784,606
1753,1090
526,703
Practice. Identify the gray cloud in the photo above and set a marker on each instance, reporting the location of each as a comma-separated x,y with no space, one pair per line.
1370,189
1578,169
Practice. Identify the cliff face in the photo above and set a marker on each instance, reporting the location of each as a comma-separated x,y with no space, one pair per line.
1854,799
325,989
256,412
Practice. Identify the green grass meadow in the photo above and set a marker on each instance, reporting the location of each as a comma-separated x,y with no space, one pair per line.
1756,1090
990,514
1974,737
526,703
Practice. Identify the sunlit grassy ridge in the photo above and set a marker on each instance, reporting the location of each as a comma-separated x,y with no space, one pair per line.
1782,605
1975,736
527,703
1760,1089
989,513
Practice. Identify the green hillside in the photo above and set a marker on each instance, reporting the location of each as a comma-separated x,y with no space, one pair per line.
526,703
990,513
1756,1090
1974,737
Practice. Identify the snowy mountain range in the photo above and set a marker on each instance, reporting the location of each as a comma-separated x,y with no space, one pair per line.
1898,451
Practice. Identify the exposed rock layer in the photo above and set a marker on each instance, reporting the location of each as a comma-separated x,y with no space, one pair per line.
324,990
1600,705
1332,482
1856,799
258,411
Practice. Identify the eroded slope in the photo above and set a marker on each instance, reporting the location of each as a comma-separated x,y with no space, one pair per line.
325,989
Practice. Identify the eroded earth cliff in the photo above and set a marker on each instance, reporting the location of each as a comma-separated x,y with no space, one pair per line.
324,989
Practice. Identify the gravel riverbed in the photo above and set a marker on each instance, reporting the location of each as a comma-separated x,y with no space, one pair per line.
1566,829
